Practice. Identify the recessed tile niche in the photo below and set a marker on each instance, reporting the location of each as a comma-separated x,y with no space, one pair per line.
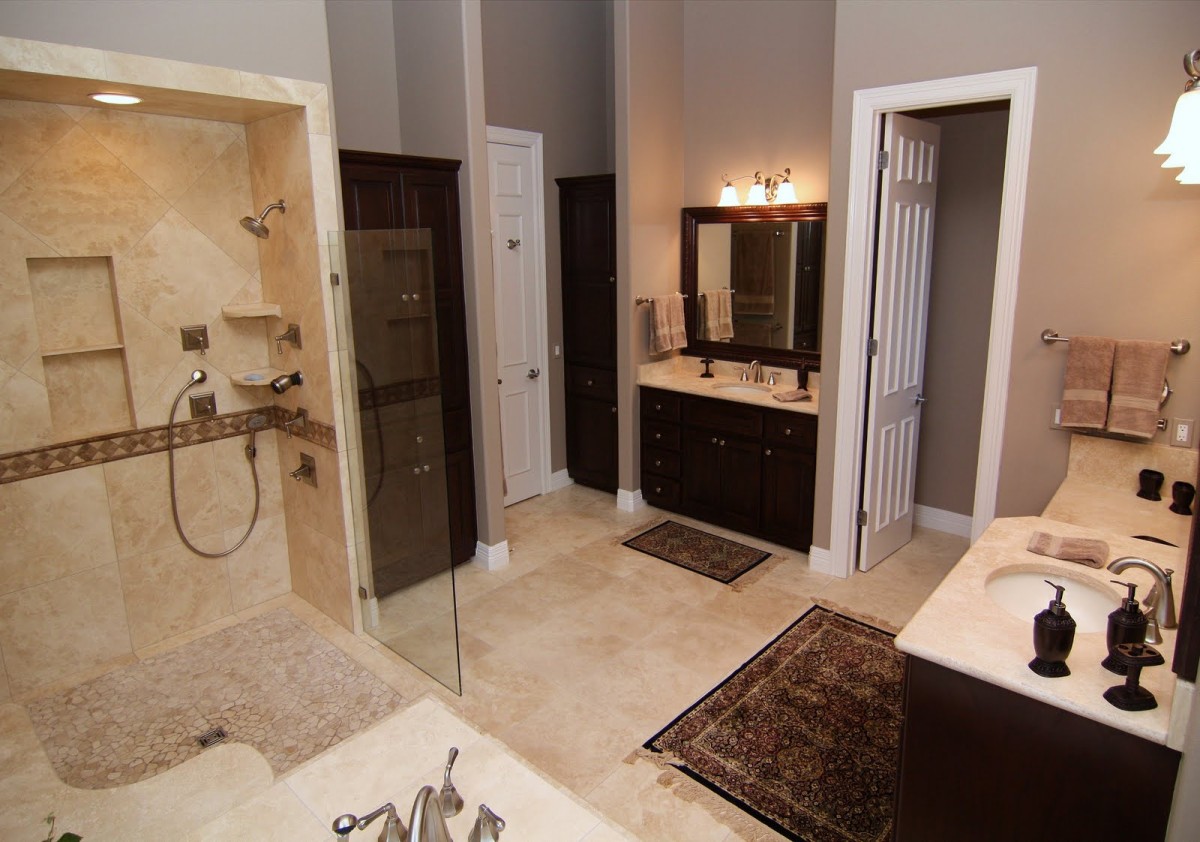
81,345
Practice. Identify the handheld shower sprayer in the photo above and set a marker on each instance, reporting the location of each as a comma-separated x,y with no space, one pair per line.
257,422
255,225
286,381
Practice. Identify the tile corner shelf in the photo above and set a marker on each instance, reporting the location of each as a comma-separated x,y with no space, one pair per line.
252,311
255,377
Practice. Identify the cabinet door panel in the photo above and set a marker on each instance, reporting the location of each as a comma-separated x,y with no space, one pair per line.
592,442
787,495
741,481
700,494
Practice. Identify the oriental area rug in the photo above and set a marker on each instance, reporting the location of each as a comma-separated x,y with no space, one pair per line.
805,736
698,551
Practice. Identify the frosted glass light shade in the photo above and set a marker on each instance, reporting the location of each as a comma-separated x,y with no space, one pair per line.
786,194
729,197
1182,143
758,195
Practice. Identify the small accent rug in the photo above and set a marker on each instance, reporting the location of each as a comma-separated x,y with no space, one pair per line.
709,555
805,735
271,682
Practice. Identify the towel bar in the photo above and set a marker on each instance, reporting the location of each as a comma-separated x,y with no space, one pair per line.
1179,346
640,300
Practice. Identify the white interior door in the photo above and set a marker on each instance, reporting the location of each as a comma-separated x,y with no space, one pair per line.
904,249
520,344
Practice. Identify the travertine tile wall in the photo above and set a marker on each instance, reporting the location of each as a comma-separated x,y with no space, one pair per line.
91,568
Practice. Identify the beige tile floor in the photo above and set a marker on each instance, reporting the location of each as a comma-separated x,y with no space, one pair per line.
573,656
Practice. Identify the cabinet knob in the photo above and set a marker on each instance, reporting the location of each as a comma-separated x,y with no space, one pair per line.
658,489
590,382
658,407
722,442
658,463
787,431
612,279
714,440
658,436
768,451
614,410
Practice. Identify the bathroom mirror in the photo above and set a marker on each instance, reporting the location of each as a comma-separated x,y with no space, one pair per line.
771,259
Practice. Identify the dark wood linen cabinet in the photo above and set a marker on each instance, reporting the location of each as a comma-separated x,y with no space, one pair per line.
588,222
380,192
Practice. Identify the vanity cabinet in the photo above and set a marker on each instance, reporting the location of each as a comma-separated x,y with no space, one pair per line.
588,223
981,762
730,464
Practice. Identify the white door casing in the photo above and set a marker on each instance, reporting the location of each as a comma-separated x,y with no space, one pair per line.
1019,88
907,201
518,264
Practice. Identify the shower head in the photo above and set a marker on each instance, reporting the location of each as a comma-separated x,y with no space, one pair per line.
257,422
286,381
255,225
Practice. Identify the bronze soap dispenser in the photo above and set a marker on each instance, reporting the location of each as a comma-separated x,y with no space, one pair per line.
1053,637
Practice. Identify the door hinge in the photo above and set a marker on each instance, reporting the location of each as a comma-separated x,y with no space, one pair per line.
362,593
882,163
872,347
334,279
861,517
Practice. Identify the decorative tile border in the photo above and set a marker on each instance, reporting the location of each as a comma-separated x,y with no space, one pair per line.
52,459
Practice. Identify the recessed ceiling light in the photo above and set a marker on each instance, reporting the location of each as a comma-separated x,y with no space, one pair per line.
116,99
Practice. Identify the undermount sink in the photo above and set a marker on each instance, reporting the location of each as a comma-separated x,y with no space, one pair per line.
742,388
1022,591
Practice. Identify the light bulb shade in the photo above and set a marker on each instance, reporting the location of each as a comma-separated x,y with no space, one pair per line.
1182,142
729,196
786,194
758,194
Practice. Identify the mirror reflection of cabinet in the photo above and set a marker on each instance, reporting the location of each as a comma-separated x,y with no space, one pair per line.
770,261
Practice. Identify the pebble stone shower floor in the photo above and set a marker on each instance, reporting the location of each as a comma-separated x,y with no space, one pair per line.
270,682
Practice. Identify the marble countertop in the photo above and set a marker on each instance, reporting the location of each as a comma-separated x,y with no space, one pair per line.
961,628
1085,503
683,375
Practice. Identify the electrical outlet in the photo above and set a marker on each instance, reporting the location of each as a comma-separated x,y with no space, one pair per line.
557,351
1056,418
1181,432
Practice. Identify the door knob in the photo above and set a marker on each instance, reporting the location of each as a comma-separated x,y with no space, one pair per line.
534,373
920,399
512,244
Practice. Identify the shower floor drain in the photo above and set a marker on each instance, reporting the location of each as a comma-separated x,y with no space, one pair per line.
210,738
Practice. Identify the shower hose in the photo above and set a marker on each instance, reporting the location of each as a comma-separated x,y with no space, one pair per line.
199,377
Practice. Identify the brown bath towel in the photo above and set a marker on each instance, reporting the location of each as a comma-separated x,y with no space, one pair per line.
666,323
1085,384
718,314
1089,551
793,395
1139,371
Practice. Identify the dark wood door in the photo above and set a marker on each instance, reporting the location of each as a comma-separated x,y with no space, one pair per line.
382,192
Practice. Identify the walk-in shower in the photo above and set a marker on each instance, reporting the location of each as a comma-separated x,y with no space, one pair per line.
256,226
256,423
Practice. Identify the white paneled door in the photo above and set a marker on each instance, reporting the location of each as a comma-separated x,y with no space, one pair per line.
516,245
903,256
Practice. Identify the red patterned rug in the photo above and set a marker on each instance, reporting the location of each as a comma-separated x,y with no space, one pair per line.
698,551
806,735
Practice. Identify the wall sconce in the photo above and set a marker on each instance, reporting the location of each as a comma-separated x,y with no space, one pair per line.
1182,145
774,189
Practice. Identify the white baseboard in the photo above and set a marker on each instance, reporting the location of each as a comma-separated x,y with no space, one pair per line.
820,560
630,501
942,520
559,479
494,557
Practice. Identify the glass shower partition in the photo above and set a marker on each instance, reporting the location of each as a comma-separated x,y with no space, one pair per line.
386,317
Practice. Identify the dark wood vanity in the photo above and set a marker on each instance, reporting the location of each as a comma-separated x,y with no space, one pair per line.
731,464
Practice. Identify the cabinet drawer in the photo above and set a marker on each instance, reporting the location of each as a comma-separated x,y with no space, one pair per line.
660,434
657,404
594,382
732,419
792,429
664,463
660,491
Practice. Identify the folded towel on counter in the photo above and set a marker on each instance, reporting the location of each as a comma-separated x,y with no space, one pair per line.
1085,384
718,314
1089,551
793,395
1139,371
666,323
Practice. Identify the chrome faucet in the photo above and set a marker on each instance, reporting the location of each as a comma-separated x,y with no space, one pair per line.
427,824
393,830
1160,602
756,368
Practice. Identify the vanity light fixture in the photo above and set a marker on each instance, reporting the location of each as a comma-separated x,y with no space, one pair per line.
116,99
772,189
1182,144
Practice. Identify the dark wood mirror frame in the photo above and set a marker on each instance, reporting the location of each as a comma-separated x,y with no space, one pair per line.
692,219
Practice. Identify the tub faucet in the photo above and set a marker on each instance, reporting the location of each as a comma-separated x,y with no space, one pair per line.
427,824
1160,602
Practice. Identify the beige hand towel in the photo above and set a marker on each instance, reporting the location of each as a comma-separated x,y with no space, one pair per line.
1139,370
1089,551
720,315
666,323
793,395
1085,384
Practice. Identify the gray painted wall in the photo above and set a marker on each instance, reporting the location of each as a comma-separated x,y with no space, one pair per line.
546,69
362,51
970,178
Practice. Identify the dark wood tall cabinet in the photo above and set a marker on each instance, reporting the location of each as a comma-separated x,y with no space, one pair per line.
588,220
380,192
